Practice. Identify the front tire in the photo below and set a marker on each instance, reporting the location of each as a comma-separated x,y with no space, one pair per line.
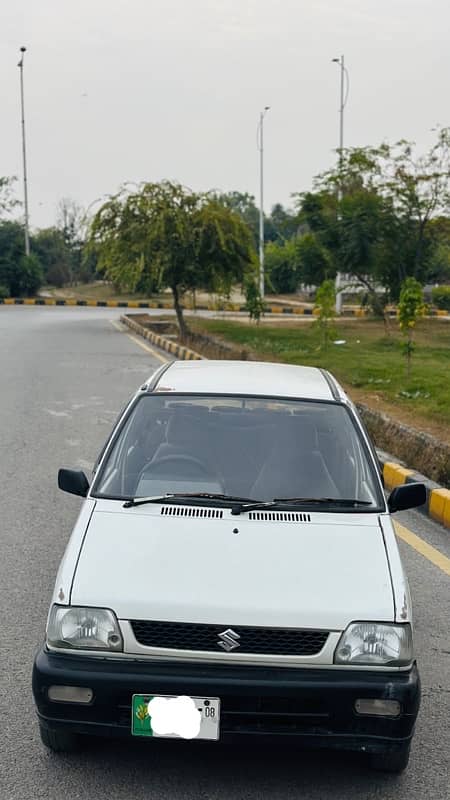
59,741
394,761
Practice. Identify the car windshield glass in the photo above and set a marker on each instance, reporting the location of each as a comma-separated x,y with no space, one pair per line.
254,448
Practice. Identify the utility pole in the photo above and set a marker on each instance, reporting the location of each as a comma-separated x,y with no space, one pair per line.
260,139
343,101
24,153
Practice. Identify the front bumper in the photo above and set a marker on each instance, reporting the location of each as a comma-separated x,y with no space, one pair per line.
314,705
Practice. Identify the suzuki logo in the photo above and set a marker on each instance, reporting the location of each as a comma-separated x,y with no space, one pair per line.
228,640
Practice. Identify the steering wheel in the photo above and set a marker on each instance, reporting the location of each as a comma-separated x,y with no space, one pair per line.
200,468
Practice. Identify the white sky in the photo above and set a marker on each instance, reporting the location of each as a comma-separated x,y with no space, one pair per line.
131,90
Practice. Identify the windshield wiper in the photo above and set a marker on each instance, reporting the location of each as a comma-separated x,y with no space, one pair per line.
293,501
140,501
338,501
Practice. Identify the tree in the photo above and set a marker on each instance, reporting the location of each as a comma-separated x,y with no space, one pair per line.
254,303
71,221
243,204
314,260
51,248
283,223
410,308
282,265
173,237
382,227
325,306
20,275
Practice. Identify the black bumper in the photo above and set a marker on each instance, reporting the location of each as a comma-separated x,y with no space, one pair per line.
314,705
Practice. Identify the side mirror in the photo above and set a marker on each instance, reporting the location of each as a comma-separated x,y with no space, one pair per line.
409,495
73,481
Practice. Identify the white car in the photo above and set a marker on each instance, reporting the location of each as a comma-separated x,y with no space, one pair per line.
234,572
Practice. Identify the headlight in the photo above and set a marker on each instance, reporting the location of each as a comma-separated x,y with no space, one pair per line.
374,643
83,628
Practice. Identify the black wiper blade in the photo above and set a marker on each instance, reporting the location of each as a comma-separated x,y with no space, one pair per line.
140,501
293,501
337,501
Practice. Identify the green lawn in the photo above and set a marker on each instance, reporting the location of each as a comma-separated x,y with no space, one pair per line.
369,360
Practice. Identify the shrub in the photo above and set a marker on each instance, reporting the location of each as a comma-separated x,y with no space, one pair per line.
440,296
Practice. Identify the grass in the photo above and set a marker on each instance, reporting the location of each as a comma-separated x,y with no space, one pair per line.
369,364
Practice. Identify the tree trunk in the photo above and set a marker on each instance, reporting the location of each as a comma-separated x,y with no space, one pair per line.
179,312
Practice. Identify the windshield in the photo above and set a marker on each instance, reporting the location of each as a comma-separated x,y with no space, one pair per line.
255,448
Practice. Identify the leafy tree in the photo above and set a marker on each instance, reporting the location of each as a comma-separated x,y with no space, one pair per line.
173,237
282,266
243,204
410,308
20,275
325,306
283,223
30,276
51,248
382,227
254,303
314,260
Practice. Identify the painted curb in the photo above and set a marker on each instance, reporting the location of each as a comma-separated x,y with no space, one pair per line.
231,307
437,505
177,350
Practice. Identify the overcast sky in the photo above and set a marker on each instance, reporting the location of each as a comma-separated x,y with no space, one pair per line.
131,90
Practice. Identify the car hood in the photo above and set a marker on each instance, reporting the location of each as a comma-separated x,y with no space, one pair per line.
145,563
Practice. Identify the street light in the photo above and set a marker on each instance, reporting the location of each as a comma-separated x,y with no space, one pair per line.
344,97
25,186
260,141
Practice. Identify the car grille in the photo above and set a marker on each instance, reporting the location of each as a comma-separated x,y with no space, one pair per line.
191,636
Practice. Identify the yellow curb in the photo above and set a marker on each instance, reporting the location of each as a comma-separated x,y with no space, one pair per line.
71,302
49,302
178,350
439,506
29,301
8,301
442,313
111,303
395,475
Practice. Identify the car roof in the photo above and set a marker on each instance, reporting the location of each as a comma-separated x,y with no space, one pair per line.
247,378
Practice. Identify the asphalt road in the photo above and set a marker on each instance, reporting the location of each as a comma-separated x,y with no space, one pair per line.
64,375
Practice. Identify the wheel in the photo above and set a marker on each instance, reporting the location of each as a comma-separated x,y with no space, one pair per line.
392,760
58,740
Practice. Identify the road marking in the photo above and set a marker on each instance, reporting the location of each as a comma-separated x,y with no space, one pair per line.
144,346
426,550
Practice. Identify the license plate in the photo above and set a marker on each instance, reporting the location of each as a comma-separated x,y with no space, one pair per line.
175,717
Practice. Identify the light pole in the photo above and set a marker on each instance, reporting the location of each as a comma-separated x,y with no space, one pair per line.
344,97
260,140
24,153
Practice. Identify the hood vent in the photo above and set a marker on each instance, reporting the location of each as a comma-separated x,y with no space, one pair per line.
191,511
279,516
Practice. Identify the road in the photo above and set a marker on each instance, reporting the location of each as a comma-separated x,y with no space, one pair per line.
65,374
